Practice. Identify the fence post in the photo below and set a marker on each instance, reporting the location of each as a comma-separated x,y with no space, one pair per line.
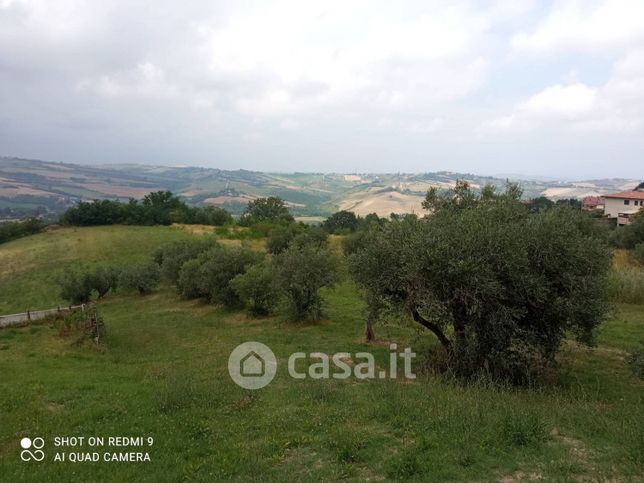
28,315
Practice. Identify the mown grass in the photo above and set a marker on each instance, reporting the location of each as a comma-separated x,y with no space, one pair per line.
163,373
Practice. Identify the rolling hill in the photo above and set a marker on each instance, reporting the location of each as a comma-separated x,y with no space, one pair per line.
42,187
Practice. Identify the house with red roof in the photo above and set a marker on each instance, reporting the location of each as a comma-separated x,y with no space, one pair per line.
592,203
624,205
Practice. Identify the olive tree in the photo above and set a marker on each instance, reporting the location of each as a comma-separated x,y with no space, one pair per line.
499,288
256,288
172,256
143,277
209,275
301,271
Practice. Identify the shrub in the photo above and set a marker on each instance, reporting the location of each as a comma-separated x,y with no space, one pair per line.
256,288
313,235
353,243
209,275
142,278
103,279
301,272
172,256
75,286
17,229
630,235
280,237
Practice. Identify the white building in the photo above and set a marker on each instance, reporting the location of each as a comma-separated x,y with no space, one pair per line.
623,205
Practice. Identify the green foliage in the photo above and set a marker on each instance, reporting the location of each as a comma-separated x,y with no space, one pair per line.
176,392
353,242
507,284
638,253
143,277
280,238
12,230
271,209
256,288
523,429
172,256
301,271
635,361
342,221
208,276
103,279
629,236
75,286
156,208
627,285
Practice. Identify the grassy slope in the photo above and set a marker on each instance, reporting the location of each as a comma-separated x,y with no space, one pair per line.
29,266
163,374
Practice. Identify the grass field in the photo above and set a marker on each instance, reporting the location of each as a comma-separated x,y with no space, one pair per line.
163,373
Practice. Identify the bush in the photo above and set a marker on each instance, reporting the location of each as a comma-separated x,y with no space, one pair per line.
353,242
301,271
103,279
256,288
630,235
172,256
17,229
209,275
280,238
75,286
143,278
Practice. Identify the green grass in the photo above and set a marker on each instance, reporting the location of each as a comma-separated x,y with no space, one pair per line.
29,266
163,373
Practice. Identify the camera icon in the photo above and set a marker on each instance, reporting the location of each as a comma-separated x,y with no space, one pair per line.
32,449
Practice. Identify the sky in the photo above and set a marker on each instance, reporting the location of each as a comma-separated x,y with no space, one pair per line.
547,88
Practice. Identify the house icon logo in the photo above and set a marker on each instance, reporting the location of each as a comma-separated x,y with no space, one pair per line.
252,365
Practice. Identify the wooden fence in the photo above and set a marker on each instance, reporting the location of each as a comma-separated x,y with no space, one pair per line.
29,316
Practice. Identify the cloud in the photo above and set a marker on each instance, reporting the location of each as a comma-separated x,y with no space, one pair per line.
584,25
560,102
616,106
268,84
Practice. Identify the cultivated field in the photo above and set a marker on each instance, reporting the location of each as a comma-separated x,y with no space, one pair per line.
163,373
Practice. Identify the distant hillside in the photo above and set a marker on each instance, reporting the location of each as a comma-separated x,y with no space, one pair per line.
33,186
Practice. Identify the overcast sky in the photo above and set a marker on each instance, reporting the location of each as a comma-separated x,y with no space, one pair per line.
517,86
